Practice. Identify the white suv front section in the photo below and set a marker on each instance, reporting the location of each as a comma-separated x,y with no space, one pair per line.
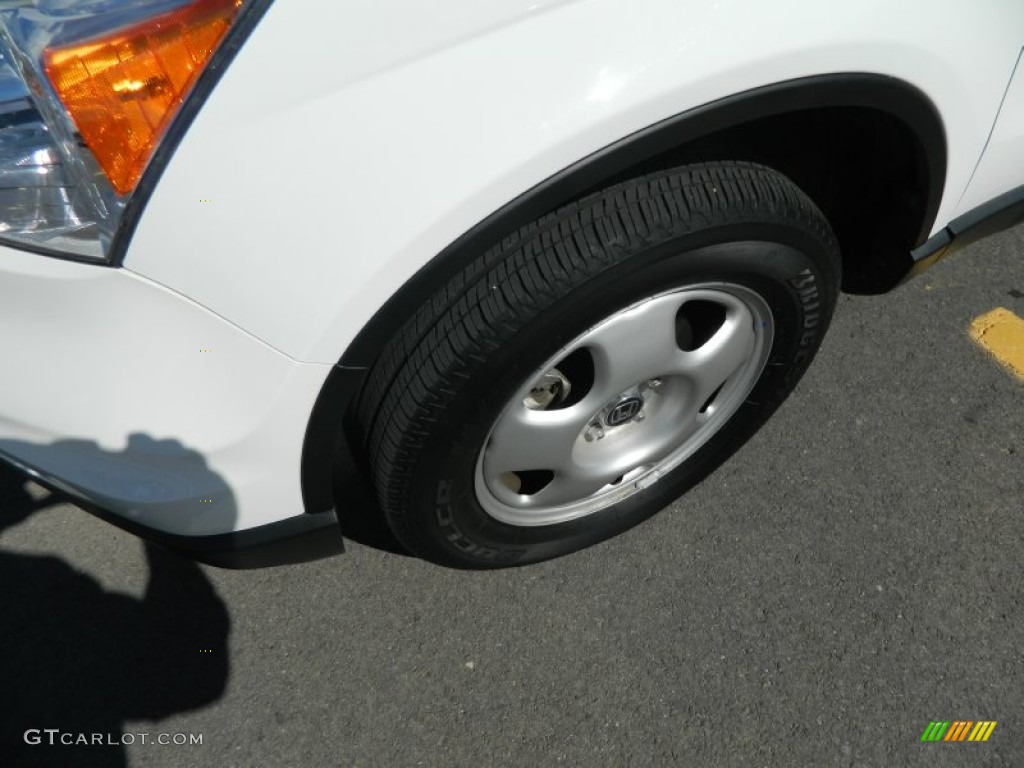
184,351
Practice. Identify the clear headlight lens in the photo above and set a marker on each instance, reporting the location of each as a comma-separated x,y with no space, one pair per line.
88,88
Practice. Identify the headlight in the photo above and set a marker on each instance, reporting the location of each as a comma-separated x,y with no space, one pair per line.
88,89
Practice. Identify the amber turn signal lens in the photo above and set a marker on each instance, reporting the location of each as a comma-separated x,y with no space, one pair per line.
123,89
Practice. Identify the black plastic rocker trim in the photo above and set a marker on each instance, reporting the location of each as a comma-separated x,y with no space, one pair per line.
997,215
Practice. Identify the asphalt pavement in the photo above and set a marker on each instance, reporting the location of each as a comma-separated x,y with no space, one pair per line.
851,575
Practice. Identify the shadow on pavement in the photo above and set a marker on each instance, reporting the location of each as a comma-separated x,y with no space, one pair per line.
82,660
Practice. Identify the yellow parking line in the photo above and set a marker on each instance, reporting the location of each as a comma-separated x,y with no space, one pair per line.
1001,334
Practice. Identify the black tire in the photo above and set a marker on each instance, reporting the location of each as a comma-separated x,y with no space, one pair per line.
444,378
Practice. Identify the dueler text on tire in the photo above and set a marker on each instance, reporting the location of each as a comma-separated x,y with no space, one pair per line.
586,371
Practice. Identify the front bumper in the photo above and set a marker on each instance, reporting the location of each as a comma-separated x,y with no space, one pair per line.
177,424
296,539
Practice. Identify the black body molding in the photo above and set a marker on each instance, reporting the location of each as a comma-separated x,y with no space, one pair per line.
997,215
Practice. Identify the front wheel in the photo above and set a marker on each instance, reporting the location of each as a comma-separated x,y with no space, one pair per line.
585,372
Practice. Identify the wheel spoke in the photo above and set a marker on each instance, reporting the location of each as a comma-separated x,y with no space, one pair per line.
634,345
709,366
525,439
571,486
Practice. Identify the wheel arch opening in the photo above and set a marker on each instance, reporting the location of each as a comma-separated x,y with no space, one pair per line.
870,150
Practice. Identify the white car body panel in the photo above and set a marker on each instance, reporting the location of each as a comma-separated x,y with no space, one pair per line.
122,405
398,128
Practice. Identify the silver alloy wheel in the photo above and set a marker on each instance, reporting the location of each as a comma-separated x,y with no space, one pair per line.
664,375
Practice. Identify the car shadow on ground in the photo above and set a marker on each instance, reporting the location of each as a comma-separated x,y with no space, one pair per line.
82,660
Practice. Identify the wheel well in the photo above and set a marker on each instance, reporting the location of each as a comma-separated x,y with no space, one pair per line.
869,150
863,168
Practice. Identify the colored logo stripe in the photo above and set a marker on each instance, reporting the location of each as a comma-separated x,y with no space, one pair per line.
982,731
958,730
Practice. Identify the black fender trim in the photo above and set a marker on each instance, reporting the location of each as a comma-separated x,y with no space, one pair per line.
896,97
328,461
998,214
